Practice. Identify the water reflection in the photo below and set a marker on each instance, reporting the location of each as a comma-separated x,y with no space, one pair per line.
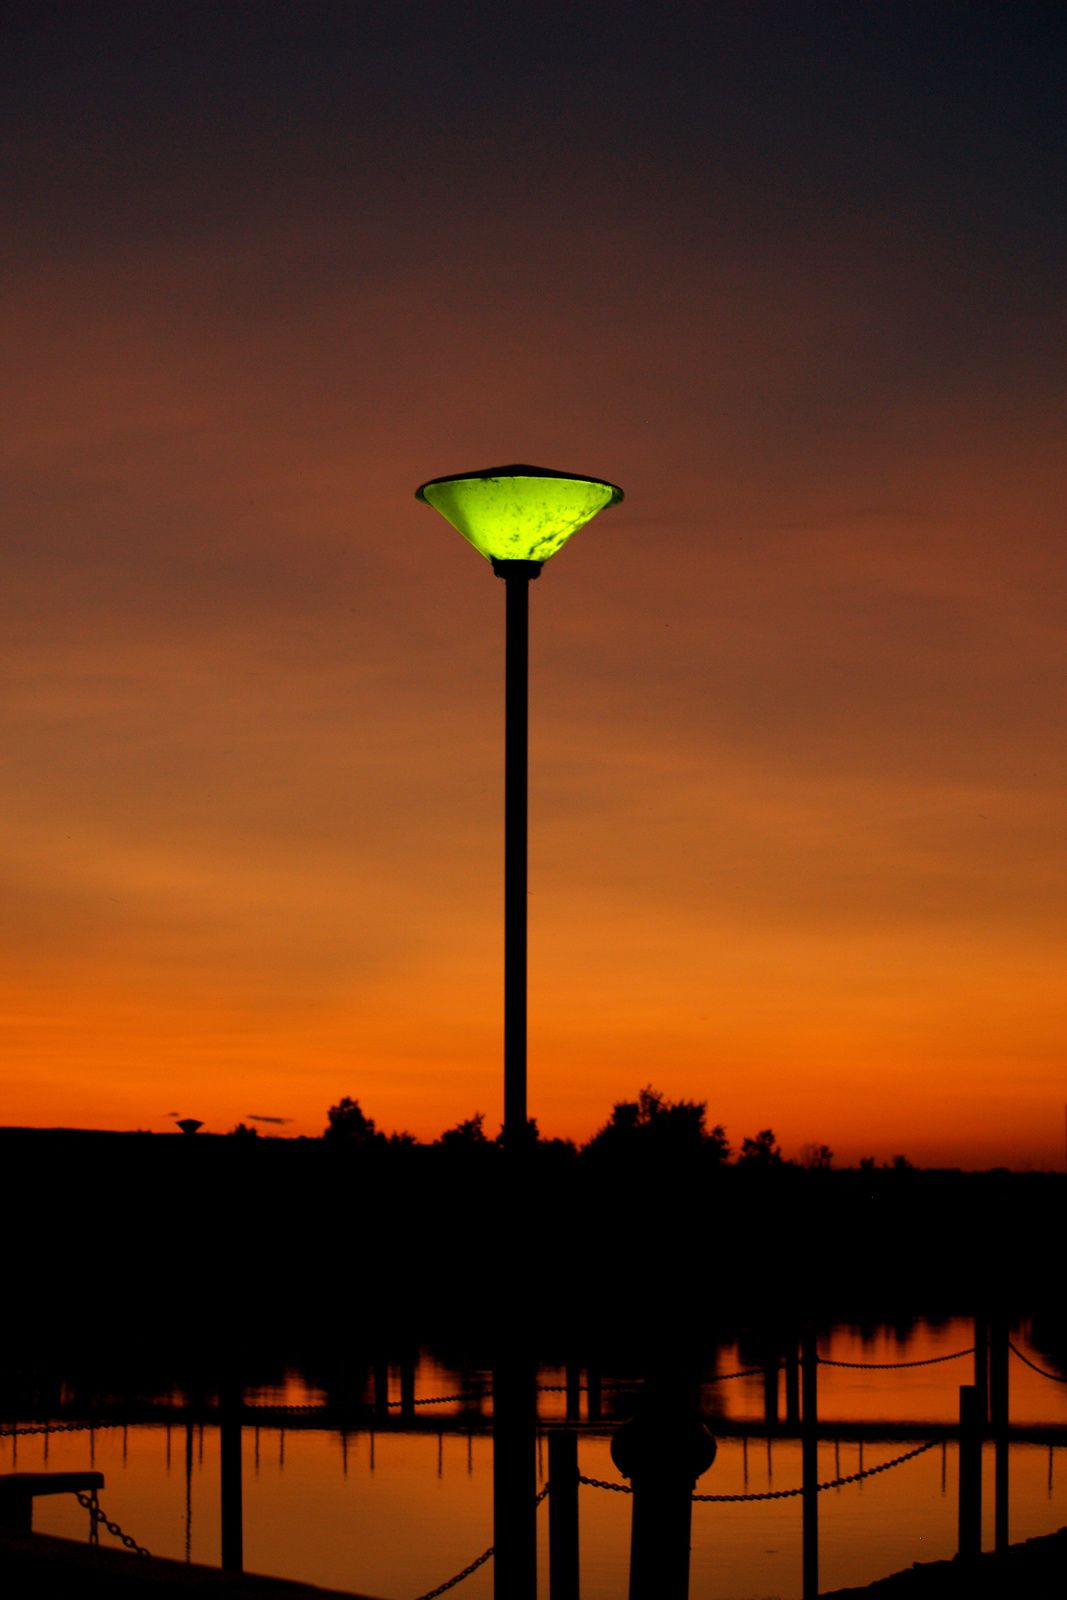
391,1507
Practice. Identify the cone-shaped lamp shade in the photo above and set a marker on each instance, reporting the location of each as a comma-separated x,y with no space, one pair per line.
518,513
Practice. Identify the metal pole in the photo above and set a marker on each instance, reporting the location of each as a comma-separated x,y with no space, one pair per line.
517,575
592,1399
563,1567
810,1462
970,1524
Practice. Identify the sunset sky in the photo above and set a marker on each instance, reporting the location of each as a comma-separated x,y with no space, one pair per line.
792,275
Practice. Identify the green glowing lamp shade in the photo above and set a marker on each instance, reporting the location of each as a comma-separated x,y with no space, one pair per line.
518,513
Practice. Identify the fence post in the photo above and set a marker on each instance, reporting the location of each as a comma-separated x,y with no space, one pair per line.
970,1526
230,1402
810,1462
998,1412
592,1398
514,1476
574,1392
563,1515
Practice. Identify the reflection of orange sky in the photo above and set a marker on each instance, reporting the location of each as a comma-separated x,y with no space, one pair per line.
797,762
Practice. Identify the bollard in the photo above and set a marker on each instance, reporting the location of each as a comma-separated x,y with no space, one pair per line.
998,1416
563,1566
970,1523
230,1403
663,1450
810,1463
574,1392
592,1398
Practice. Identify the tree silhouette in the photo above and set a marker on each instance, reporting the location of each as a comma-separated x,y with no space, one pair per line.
348,1122
760,1151
653,1123
465,1134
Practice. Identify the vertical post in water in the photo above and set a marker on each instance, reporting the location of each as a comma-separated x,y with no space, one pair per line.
563,1515
514,1395
998,1416
981,1367
810,1462
230,1401
971,1429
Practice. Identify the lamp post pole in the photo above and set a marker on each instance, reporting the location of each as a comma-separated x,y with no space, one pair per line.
517,576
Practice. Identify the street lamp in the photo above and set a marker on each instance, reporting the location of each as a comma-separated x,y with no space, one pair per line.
517,517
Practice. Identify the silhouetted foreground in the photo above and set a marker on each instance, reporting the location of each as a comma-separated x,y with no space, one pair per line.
1036,1570
32,1564
154,1240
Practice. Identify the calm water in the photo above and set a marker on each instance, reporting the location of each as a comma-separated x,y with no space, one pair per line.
392,1514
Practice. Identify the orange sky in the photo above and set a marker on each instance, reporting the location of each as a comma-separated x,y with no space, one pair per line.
798,774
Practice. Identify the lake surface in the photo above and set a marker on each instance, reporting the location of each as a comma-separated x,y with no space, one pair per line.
392,1513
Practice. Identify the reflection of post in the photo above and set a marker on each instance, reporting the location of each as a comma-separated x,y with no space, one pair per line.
563,1515
810,1463
970,1524
407,1388
574,1392
514,1478
381,1391
792,1383
770,1395
189,1491
230,1399
998,1415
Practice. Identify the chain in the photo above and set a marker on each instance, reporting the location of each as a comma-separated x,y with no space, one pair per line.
432,1594
1053,1375
834,1483
892,1366
482,1559
445,1399
58,1427
777,1494
98,1517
